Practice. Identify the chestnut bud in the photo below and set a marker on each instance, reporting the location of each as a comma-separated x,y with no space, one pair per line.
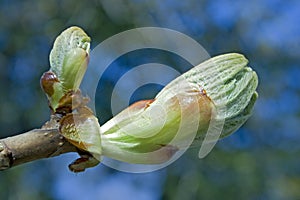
68,60
208,102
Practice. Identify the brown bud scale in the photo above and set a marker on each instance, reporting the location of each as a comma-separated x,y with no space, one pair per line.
47,81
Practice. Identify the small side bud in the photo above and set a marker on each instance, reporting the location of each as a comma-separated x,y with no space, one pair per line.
80,164
47,81
53,89
68,60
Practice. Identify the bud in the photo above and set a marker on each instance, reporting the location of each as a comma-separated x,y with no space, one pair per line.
73,70
53,88
69,57
68,60
221,89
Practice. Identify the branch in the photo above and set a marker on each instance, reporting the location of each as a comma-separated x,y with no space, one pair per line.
188,111
218,93
32,145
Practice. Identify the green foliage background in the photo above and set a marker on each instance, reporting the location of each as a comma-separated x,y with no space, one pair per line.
260,161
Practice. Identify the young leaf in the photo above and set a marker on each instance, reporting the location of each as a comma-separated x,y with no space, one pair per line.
68,60
149,132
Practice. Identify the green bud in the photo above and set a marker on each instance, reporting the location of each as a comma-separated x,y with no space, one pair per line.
69,56
73,70
68,60
230,84
221,89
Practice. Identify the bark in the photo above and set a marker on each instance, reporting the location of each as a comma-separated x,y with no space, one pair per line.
32,145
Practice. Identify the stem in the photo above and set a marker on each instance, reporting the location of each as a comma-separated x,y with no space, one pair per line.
32,145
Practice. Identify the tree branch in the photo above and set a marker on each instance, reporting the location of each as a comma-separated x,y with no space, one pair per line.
32,145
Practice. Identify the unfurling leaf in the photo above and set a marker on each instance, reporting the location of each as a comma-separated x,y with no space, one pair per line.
208,102
68,62
148,132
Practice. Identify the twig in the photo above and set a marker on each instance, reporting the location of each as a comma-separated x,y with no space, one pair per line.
32,145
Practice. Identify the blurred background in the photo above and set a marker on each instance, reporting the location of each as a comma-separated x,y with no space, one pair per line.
259,161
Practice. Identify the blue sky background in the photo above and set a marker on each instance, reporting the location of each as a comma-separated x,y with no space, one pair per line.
259,161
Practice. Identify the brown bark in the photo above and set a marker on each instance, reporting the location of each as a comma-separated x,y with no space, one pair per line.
32,145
